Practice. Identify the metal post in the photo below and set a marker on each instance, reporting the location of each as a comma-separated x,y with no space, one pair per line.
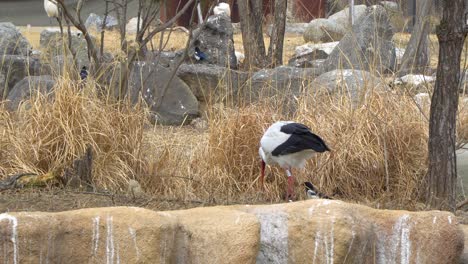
351,12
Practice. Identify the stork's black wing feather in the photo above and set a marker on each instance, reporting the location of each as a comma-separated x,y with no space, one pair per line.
301,139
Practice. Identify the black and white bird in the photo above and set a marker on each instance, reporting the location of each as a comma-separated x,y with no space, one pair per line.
199,55
313,193
289,145
83,73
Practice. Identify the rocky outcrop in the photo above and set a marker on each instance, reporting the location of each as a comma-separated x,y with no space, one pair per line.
215,40
51,42
333,28
313,231
368,46
12,42
212,82
29,85
15,67
95,22
353,83
173,106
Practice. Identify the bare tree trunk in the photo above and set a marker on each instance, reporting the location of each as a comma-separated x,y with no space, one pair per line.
275,51
442,173
252,34
416,57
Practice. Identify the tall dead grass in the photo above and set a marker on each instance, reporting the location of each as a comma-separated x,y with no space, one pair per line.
48,132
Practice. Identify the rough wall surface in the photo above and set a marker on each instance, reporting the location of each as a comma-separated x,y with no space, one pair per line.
313,231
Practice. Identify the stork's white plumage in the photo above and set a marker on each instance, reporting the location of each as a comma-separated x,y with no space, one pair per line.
51,8
289,145
222,8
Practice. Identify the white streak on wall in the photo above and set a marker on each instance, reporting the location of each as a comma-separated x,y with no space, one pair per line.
134,238
95,235
273,236
14,234
110,250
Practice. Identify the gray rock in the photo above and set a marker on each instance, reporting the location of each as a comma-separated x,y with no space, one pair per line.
11,41
390,6
22,90
212,83
341,18
322,29
414,80
51,42
215,39
291,28
132,25
308,48
353,83
368,46
179,105
308,60
3,84
283,82
95,22
15,68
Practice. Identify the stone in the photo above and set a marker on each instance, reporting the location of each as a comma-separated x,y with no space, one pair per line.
390,6
215,39
307,60
3,84
324,30
132,25
51,42
464,256
95,22
423,100
16,67
329,231
98,235
147,81
291,28
25,88
341,18
12,42
368,46
308,48
354,83
414,80
212,83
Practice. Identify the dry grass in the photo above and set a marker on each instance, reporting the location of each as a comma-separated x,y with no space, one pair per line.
379,149
46,135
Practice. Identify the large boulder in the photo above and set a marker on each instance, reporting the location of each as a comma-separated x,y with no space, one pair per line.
172,106
12,42
212,82
51,42
15,67
333,28
215,39
368,46
323,29
29,85
95,22
353,83
291,28
3,85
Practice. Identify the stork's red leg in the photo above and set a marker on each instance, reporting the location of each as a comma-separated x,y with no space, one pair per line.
290,192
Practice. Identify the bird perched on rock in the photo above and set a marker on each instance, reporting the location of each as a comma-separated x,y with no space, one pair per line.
83,73
289,145
312,192
199,55
222,8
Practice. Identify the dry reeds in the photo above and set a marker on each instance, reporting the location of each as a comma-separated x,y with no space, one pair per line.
48,132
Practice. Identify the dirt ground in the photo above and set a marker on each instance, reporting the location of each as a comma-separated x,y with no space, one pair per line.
57,199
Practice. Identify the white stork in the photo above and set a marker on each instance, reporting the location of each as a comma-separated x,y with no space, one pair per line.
222,8
52,10
289,145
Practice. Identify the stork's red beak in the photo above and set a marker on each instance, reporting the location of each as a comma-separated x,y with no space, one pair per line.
263,173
